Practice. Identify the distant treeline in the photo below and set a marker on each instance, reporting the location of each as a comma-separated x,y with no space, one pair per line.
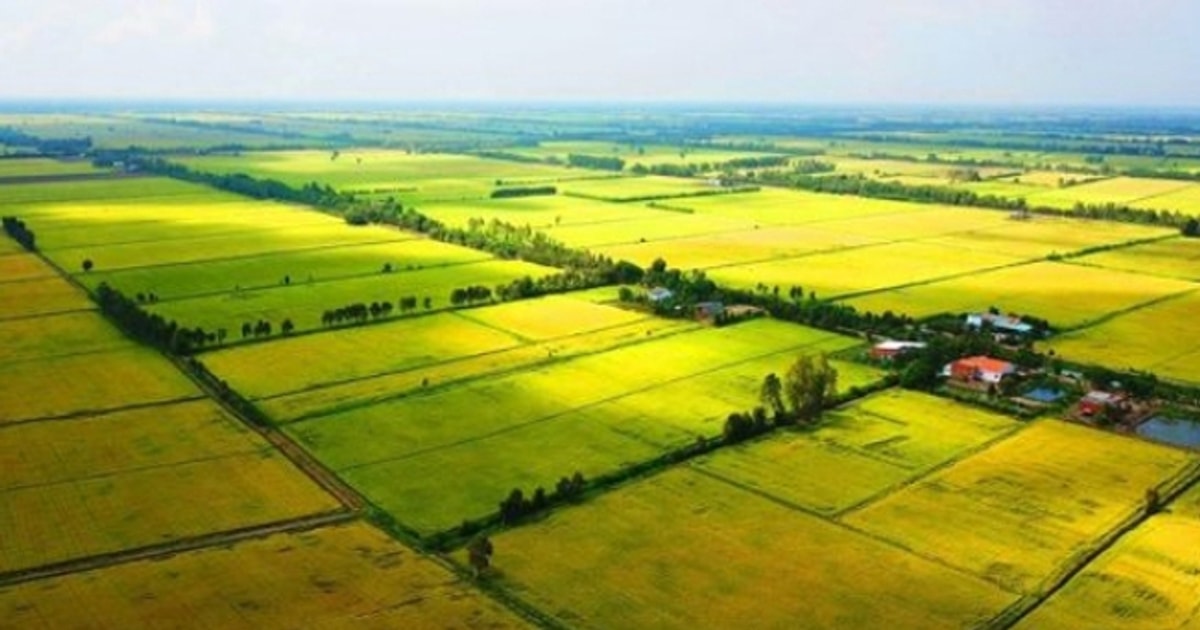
19,232
1156,148
600,162
523,191
46,146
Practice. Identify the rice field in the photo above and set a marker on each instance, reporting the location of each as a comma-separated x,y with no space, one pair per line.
81,488
873,445
1173,258
1016,517
1118,190
539,213
633,154
626,189
1065,294
37,167
684,550
349,576
1159,337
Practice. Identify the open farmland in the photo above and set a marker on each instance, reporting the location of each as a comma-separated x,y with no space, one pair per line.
538,212
634,154
412,178
600,415
1160,337
1064,294
1173,258
684,550
626,189
1129,191
349,576
874,444
39,167
1013,516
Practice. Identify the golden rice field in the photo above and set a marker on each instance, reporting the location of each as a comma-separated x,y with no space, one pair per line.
1160,337
538,213
78,333
1065,294
646,155
16,266
551,317
736,247
778,206
1016,517
137,483
684,550
349,576
40,296
89,383
1150,579
873,444
1185,200
1039,236
1118,190
651,225
1174,258
860,270
32,167
637,188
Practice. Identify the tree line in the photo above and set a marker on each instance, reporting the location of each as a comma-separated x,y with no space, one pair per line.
524,191
19,232
598,162
151,328
14,137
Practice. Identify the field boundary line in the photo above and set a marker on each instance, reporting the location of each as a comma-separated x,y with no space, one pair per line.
17,318
922,475
1107,317
175,547
918,283
91,413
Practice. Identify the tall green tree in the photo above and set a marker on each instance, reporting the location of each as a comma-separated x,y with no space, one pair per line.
809,386
771,394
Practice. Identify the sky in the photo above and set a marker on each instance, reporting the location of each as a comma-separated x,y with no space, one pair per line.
959,52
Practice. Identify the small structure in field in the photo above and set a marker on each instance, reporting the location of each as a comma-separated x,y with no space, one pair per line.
891,349
658,295
979,369
1003,324
709,311
1098,403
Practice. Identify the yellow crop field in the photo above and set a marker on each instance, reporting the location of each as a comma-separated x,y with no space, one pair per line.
1188,504
352,354
865,269
27,167
1020,511
683,550
1175,258
1040,236
1161,338
551,317
741,246
1150,579
778,206
1185,200
633,188
1118,190
355,393
56,335
873,444
19,266
537,212
89,383
79,488
350,576
40,296
1065,294
653,225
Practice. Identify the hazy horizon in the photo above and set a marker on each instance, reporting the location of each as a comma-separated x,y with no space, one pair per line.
994,53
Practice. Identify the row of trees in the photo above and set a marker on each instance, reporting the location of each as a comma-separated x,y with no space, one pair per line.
599,162
45,146
470,295
862,186
19,232
518,506
152,328
524,191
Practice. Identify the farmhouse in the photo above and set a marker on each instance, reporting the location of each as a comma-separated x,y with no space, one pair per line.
1097,403
890,349
981,369
1007,324
709,311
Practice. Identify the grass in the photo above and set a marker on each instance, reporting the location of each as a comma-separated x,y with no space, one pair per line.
1065,294
349,576
1014,514
683,550
1175,258
871,445
79,488
1158,338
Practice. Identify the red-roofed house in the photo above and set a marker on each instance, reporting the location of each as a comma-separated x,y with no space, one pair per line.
980,368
